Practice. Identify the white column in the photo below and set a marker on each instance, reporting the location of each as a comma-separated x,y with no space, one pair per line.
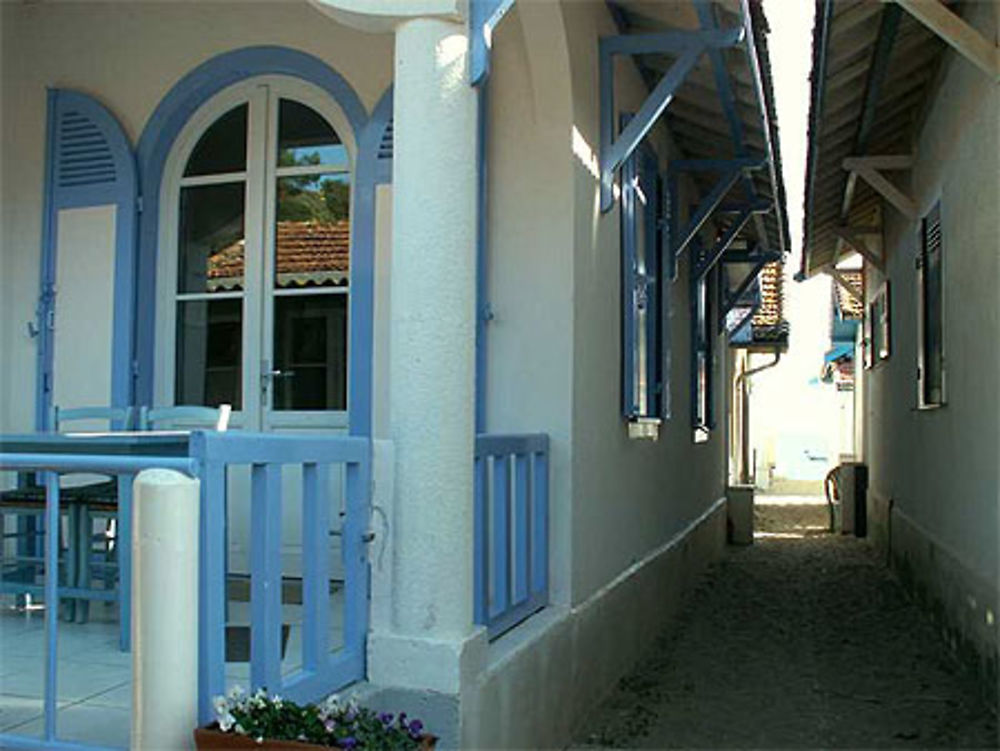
164,610
432,354
432,359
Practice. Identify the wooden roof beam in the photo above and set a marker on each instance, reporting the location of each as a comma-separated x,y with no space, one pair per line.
841,280
869,169
855,239
957,33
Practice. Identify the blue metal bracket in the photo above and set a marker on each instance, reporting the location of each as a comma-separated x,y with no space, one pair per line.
731,299
752,256
731,173
722,244
740,332
719,165
484,15
688,46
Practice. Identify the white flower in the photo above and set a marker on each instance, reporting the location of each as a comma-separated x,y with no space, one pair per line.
221,706
226,721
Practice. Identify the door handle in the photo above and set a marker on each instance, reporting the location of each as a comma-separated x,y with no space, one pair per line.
267,376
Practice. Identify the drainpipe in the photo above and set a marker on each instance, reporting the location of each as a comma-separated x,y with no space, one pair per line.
743,381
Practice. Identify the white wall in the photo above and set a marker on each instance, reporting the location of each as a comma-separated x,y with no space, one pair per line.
128,55
554,346
939,467
629,496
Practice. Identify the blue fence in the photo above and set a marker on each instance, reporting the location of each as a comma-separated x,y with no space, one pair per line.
51,465
212,457
322,670
511,529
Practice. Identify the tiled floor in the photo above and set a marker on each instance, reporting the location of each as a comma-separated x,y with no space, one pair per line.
94,681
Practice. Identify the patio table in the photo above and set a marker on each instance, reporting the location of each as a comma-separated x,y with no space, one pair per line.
119,444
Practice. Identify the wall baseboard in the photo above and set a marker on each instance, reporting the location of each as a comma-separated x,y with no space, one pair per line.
964,605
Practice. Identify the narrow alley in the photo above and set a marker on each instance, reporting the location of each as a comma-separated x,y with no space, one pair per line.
805,640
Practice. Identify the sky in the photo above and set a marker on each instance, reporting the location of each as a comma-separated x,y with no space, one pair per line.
786,400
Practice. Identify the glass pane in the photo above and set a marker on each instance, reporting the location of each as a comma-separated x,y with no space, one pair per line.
310,350
314,231
223,148
209,352
641,304
304,137
933,326
211,238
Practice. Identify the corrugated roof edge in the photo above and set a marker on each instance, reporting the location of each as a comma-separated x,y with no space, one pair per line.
817,77
759,27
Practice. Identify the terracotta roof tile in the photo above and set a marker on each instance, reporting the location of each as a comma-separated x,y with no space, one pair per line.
772,297
309,253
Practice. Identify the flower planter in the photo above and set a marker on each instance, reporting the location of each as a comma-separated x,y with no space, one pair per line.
208,739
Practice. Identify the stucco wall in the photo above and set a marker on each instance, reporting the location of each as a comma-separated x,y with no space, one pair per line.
128,55
530,344
939,467
628,495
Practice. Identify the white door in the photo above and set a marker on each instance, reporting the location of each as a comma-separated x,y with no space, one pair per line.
253,273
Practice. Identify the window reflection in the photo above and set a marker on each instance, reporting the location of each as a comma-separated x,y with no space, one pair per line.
212,239
305,138
209,352
223,147
310,350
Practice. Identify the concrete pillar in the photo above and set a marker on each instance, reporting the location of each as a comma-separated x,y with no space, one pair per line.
431,361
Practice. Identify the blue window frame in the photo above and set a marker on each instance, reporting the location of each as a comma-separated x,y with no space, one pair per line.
645,350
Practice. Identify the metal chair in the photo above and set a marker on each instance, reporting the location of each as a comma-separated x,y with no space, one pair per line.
104,550
27,504
185,416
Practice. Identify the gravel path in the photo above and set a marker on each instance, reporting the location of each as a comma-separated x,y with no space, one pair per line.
803,640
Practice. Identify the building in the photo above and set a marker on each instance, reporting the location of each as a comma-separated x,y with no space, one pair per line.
902,172
529,354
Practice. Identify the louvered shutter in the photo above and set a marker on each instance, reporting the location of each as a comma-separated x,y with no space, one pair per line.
930,287
383,157
88,239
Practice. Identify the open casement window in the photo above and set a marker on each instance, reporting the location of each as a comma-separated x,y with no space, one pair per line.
930,310
702,419
644,358
878,328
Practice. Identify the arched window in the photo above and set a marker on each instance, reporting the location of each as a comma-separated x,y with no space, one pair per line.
254,260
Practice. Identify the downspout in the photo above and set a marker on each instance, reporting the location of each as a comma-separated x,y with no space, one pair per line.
743,382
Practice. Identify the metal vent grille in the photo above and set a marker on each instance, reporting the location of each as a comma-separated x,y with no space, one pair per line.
84,155
385,145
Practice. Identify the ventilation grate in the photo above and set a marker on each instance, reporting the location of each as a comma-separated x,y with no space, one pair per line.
84,155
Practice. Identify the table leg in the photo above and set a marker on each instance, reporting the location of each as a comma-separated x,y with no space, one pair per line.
85,527
123,549
72,557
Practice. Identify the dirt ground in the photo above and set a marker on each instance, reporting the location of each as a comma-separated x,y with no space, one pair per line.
803,640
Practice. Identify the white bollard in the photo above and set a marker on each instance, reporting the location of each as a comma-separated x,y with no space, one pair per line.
164,610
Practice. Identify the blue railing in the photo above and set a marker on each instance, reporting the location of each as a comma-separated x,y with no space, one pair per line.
211,456
51,465
511,483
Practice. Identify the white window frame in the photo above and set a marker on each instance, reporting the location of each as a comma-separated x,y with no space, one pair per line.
259,233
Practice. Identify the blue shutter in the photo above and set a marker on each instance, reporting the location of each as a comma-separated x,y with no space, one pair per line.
89,162
930,365
383,155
